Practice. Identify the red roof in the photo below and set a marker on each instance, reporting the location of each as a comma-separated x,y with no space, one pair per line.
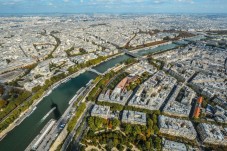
122,83
200,100
196,112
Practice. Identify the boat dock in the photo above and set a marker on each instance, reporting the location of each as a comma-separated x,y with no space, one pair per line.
39,138
89,82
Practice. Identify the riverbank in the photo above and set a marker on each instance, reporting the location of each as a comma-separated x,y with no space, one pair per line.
55,85
63,134
25,113
150,47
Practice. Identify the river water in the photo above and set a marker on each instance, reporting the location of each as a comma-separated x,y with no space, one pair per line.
108,64
21,136
156,49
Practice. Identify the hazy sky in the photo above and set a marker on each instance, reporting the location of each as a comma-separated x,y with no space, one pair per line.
113,6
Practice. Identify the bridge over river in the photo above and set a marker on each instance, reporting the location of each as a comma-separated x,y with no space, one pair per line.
95,71
127,52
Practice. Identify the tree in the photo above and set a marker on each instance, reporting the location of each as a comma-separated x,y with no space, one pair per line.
120,147
98,122
157,112
35,89
109,145
157,143
156,129
151,145
128,129
148,145
136,130
150,123
115,123
91,122
148,132
74,119
154,118
2,103
115,142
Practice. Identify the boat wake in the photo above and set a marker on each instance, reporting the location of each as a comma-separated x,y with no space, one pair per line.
48,114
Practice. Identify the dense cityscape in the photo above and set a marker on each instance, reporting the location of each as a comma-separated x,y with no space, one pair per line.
113,82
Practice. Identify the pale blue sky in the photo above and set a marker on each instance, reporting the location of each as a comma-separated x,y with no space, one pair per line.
113,6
